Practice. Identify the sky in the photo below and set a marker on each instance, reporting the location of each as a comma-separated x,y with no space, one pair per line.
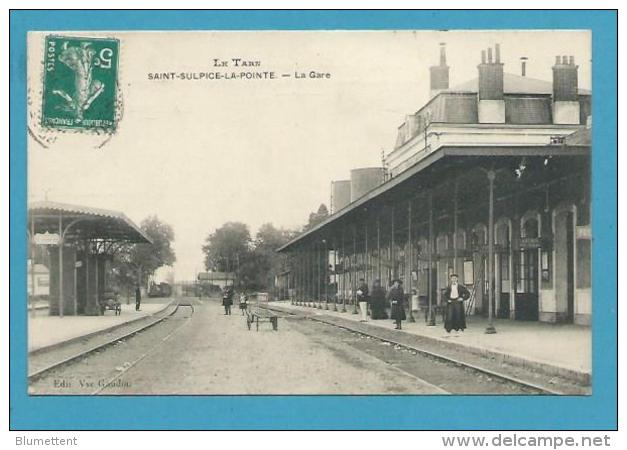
199,153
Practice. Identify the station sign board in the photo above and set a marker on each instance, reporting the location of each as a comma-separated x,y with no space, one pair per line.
46,239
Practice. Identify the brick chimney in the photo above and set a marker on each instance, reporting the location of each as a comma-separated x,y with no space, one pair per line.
439,74
523,66
565,91
491,100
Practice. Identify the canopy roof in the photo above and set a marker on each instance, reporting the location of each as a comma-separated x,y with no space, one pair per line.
432,169
86,222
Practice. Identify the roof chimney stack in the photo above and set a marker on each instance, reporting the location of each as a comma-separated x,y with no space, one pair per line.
439,74
491,100
566,106
523,66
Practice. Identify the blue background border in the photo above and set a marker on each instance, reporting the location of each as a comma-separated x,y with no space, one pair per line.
598,411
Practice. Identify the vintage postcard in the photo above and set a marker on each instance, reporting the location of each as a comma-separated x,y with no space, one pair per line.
403,213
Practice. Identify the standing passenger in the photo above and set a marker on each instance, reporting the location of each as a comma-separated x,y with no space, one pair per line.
377,301
138,297
396,298
362,298
455,294
227,300
243,302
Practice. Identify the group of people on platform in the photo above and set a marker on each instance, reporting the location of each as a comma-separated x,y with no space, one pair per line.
227,300
378,300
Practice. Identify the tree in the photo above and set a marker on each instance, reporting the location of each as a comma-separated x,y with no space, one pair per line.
255,262
267,240
317,217
227,246
135,263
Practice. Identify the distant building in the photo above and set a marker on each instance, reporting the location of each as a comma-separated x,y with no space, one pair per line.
41,277
220,279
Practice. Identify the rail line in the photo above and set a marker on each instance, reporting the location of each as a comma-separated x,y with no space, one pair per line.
34,376
118,375
542,390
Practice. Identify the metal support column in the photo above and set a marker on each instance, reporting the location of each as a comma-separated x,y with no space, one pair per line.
431,321
326,274
336,283
354,270
367,279
410,258
61,300
319,264
32,265
393,248
312,268
343,272
455,225
87,253
303,275
490,328
379,247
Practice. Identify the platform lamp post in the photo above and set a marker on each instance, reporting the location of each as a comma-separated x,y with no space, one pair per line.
490,329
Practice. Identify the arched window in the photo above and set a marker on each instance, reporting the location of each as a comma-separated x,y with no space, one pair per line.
530,225
441,243
461,239
479,236
530,228
501,233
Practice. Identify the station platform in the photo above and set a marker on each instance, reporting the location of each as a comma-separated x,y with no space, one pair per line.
562,349
47,331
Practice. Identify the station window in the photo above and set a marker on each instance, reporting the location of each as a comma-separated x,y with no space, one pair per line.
527,272
504,267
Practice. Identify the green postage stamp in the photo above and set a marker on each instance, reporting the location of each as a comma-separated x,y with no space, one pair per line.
80,83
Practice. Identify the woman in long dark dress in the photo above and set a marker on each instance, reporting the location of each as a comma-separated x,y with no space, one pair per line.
455,315
396,298
377,302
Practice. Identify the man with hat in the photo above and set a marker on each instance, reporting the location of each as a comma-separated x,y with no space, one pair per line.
454,295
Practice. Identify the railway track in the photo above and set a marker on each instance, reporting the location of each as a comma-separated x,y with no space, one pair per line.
45,363
525,385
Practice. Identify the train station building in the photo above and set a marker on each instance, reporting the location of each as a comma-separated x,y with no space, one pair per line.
81,242
490,180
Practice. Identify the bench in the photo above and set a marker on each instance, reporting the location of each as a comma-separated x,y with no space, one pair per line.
261,315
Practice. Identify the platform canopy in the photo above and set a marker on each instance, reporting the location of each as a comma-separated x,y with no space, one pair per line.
83,223
444,163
